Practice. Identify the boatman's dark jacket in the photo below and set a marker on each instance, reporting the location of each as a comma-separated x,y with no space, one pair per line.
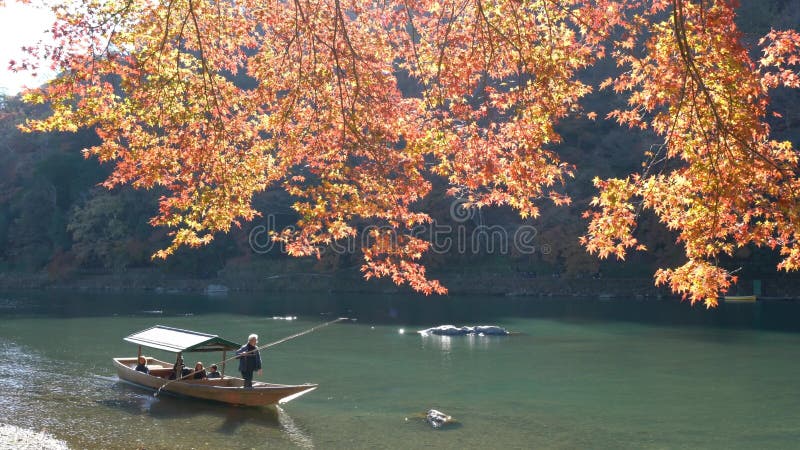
249,362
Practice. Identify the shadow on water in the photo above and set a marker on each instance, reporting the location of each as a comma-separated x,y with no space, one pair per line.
420,422
142,402
139,402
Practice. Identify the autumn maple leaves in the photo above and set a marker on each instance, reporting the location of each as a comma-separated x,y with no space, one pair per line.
718,180
216,101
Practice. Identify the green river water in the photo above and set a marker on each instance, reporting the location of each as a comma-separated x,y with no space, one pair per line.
580,374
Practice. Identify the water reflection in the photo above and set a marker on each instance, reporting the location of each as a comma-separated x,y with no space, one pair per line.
399,309
482,342
224,419
559,376
442,343
471,341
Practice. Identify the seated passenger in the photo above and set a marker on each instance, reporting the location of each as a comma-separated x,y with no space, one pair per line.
212,373
199,371
142,367
179,368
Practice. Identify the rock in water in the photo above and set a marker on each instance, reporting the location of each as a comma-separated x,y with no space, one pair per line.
447,330
491,330
480,330
437,419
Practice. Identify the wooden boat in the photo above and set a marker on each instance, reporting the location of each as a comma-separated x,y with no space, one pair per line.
226,389
740,298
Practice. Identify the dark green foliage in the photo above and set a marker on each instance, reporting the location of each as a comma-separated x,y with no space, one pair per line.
105,229
54,216
202,262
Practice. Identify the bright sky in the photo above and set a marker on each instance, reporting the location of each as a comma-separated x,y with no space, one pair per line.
20,25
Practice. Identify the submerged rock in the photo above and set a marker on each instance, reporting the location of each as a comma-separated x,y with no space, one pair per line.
480,330
438,419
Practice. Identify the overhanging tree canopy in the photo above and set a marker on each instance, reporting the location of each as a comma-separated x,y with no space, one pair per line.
323,117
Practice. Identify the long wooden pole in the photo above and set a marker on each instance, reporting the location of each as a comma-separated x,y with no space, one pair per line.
223,362
271,344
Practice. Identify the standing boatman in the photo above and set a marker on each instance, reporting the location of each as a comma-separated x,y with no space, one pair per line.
249,360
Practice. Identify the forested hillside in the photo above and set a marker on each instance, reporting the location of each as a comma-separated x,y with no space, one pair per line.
56,219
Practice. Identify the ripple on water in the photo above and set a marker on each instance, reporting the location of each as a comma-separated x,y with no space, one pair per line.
50,394
558,385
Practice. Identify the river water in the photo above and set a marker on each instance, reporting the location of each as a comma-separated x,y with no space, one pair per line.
579,373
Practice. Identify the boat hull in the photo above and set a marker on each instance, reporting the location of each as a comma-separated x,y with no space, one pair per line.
228,390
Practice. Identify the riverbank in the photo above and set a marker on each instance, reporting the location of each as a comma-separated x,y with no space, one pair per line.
17,438
243,280
281,279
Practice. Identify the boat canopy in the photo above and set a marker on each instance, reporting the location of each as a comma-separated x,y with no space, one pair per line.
177,340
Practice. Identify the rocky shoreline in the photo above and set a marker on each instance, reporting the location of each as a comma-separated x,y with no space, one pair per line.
13,437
